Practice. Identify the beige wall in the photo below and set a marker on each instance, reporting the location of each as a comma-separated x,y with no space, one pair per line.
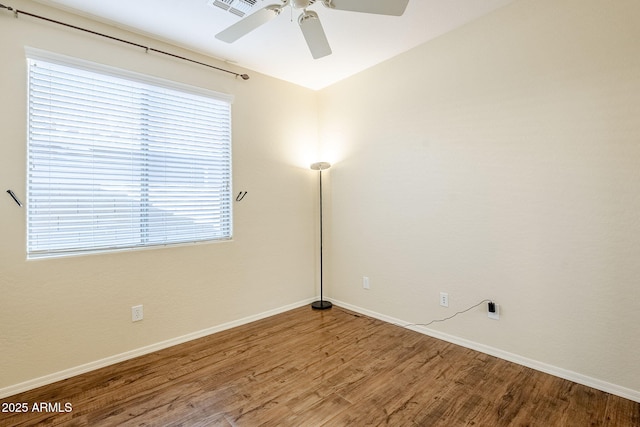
499,161
61,313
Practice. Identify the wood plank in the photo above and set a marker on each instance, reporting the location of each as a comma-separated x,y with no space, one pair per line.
333,368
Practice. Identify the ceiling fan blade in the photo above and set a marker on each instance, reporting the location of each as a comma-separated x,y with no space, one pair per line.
380,7
314,34
250,23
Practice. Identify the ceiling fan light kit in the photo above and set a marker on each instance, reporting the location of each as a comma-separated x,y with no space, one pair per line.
300,4
309,21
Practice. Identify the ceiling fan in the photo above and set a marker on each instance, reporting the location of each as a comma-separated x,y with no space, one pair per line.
309,21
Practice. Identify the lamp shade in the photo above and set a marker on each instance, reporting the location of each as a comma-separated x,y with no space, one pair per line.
320,166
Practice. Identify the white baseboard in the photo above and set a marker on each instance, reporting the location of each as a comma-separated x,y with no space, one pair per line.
576,377
111,360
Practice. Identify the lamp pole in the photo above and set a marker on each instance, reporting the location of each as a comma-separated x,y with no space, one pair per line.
321,304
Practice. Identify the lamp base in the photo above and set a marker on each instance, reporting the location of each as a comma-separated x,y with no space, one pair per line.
321,305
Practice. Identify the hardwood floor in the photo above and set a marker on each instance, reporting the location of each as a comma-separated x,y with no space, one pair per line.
311,368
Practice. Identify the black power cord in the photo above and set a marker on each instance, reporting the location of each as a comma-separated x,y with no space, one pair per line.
450,317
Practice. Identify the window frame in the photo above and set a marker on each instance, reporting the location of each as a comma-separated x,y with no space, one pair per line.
87,66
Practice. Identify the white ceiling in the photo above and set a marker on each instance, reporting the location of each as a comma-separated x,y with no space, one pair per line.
278,49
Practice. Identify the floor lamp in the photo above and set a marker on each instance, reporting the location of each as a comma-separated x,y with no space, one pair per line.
322,304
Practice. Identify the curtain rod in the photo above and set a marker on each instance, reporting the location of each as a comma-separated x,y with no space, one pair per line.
146,48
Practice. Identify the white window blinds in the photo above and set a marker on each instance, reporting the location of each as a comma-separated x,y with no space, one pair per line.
117,162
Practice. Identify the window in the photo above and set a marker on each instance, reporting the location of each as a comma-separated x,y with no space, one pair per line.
119,160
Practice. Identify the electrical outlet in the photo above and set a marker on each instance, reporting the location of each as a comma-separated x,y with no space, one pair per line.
444,299
365,282
495,315
136,313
